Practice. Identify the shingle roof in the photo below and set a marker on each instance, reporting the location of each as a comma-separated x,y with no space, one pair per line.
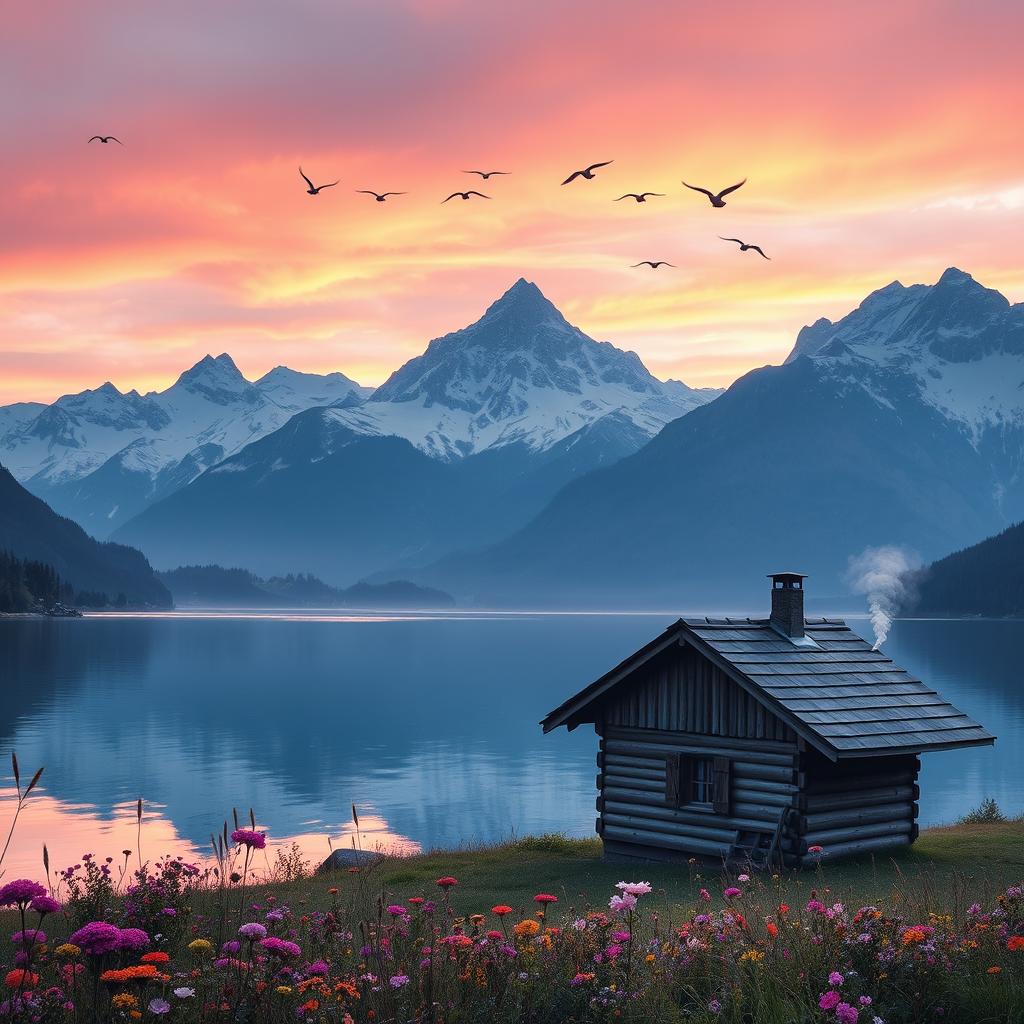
845,698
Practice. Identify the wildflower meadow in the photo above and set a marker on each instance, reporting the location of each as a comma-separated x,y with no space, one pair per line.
121,939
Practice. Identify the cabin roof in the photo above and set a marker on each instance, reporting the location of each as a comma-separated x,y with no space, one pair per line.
844,698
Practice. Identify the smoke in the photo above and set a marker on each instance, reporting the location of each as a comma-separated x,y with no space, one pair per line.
885,576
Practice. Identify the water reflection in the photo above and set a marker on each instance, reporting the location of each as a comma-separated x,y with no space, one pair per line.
427,723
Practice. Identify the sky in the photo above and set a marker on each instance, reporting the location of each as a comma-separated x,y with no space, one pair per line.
880,140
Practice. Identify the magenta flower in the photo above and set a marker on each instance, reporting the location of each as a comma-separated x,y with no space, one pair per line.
280,947
318,969
396,910
251,838
732,892
829,1000
133,938
29,937
21,892
847,1014
97,938
835,978
44,904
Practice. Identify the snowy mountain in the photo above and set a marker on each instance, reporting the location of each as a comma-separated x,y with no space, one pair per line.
461,446
102,456
902,424
520,375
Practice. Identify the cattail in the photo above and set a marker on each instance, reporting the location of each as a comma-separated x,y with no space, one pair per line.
138,811
46,860
252,819
35,779
234,817
17,774
355,817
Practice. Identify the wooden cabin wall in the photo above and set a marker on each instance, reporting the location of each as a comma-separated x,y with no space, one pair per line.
857,805
637,820
683,691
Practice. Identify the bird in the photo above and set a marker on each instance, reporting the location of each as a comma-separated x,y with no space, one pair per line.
640,197
716,199
465,195
587,172
653,264
379,196
486,174
743,245
107,138
315,189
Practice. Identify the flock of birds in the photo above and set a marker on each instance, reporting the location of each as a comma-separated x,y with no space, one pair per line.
588,173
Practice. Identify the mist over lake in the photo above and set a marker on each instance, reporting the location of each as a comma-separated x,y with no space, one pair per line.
429,724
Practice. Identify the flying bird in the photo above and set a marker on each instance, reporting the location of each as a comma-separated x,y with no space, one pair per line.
486,174
107,138
379,196
716,199
653,264
743,245
587,172
315,189
640,197
465,195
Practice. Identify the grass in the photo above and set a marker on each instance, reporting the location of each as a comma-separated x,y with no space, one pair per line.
947,866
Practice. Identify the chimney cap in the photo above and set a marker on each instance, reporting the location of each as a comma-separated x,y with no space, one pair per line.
788,576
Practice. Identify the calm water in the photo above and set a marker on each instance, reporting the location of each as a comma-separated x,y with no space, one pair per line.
428,725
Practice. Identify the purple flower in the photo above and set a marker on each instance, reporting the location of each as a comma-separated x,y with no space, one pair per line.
251,838
169,912
97,938
732,892
253,931
44,904
159,1006
835,978
847,1014
20,892
231,947
29,937
396,910
715,1006
133,938
280,947
318,969
399,981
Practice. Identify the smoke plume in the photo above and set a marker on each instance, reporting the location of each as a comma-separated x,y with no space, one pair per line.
884,575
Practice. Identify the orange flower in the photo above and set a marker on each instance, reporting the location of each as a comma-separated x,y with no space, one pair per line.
158,956
1015,944
310,1006
333,891
125,974
912,935
526,928
993,970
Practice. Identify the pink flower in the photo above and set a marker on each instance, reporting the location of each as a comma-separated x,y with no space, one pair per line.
829,1000
545,897
622,904
743,878
249,837
847,1014
732,892
705,895
835,978
396,910
634,888
280,947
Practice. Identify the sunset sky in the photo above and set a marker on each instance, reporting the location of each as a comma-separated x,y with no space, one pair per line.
881,141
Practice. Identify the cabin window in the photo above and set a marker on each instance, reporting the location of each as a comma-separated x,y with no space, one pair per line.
702,783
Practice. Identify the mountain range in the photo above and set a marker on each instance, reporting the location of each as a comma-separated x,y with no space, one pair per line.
902,423
462,445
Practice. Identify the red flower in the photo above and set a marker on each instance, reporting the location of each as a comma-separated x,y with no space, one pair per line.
783,908
501,910
19,978
773,929
415,900
447,882
545,897
158,956
1015,944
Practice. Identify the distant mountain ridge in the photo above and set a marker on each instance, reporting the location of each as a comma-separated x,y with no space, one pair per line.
101,456
901,424
461,446
30,529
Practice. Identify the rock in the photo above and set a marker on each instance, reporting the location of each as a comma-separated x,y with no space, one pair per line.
340,860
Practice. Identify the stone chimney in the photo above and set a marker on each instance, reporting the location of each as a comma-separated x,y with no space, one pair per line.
788,603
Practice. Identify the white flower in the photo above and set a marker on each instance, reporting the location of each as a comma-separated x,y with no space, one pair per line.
184,993
580,924
743,878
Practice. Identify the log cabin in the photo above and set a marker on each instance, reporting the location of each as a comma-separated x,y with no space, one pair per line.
761,741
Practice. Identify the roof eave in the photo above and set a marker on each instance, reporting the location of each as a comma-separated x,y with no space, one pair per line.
915,748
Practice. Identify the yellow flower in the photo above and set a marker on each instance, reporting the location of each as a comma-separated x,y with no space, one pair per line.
124,1001
752,954
68,949
201,946
283,990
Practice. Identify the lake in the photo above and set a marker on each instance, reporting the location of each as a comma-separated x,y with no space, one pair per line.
428,724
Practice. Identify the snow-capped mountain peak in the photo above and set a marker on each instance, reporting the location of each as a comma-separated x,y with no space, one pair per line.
957,344
218,379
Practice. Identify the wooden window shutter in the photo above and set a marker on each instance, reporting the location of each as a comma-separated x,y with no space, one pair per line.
723,786
673,779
